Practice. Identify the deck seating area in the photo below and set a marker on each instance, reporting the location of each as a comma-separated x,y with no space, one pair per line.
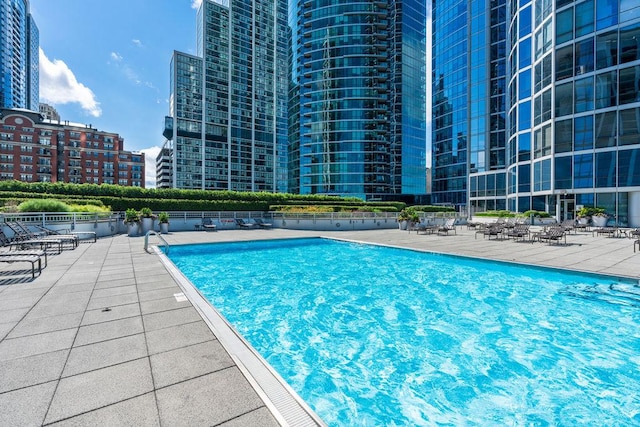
33,247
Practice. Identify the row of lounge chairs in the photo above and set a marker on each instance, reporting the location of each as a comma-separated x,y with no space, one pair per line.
442,229
32,247
208,224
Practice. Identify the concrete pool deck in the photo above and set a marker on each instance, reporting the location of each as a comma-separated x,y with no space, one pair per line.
105,336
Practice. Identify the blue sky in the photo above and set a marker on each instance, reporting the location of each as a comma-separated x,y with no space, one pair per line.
106,63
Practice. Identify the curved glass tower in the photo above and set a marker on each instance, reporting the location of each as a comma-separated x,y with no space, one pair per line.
574,111
357,98
19,61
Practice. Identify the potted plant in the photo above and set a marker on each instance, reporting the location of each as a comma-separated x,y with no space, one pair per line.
406,217
146,214
598,216
163,219
132,221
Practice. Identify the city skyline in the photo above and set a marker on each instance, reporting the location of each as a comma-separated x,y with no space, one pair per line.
115,75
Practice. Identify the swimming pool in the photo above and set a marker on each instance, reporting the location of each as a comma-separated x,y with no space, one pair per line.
372,335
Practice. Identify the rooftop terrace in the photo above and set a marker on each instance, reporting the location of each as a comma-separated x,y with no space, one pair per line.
105,335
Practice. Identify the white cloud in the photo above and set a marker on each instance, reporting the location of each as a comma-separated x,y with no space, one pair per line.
195,4
58,85
137,42
150,155
116,56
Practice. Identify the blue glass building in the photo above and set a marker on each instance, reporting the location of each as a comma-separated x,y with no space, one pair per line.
19,60
469,97
357,98
575,107
227,128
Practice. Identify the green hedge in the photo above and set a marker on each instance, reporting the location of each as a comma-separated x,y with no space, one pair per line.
335,208
108,190
431,208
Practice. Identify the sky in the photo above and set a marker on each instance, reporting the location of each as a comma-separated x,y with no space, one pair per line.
106,63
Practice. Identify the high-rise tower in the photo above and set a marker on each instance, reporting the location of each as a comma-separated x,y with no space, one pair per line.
469,97
19,61
227,129
357,113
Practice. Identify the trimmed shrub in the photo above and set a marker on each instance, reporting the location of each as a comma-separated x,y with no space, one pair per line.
43,205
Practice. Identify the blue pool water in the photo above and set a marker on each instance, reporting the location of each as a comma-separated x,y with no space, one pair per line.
371,335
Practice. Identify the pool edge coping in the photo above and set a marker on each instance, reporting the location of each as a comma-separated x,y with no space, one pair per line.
287,407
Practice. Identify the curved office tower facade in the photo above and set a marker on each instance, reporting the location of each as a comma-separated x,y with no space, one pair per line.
574,113
19,61
357,98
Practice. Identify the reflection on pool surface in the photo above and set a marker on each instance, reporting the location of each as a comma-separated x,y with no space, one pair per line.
371,335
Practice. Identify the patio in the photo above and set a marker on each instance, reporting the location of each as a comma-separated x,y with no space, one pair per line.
106,335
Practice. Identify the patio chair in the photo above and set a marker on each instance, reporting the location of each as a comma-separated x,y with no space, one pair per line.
426,228
22,241
519,231
606,231
77,234
488,230
553,234
449,225
243,224
10,252
260,223
569,225
21,232
208,225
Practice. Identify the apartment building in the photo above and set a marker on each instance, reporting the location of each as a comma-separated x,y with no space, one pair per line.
33,149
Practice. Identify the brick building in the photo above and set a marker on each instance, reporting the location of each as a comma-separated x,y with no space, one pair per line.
33,149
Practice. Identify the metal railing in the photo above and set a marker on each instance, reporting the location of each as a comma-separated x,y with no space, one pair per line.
146,241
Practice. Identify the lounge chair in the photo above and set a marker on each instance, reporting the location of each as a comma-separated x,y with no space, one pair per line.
50,232
488,230
260,223
24,242
449,225
243,224
32,259
12,253
21,232
208,225
519,231
425,228
553,234
607,231
569,225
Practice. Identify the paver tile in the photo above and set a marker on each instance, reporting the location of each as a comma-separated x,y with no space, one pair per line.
31,370
165,319
139,411
96,389
158,305
36,344
38,325
259,417
178,336
105,353
112,301
190,403
27,406
114,313
109,330
185,363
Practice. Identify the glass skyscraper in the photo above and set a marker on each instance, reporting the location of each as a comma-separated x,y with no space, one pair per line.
227,125
570,71
19,60
469,96
357,98
575,107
